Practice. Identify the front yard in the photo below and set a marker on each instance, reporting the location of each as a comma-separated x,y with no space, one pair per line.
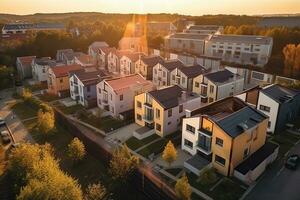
134,143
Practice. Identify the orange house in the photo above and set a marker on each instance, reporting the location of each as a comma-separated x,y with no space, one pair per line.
58,79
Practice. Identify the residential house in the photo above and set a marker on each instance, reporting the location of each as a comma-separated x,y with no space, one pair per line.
40,68
65,56
145,65
217,85
241,49
184,76
162,72
127,62
230,136
84,60
103,56
204,29
113,60
83,86
161,111
136,44
58,79
260,78
24,66
116,95
281,104
187,43
93,50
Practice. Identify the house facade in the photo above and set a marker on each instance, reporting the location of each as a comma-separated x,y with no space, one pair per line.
65,56
228,134
145,64
116,95
24,66
94,49
162,110
58,79
103,56
217,85
127,62
40,67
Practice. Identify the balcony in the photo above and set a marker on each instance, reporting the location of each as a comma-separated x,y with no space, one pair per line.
148,119
205,132
204,144
105,101
148,105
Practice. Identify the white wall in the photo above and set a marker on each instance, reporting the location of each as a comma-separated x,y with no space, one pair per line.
195,122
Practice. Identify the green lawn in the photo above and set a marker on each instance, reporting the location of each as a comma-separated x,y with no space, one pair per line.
48,97
69,110
36,87
174,171
24,111
134,143
228,190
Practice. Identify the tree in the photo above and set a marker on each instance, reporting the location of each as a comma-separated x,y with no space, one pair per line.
291,54
183,189
122,163
26,94
45,122
76,150
95,192
169,153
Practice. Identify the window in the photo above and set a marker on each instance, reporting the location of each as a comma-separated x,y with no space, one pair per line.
190,128
219,142
183,80
169,123
121,97
173,77
139,104
269,124
71,83
110,96
44,70
170,112
155,71
99,90
220,160
164,74
88,88
180,108
211,89
264,108
246,153
188,143
157,112
139,117
197,85
112,109
158,127
61,80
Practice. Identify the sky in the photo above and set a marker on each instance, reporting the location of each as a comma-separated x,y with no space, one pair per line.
189,7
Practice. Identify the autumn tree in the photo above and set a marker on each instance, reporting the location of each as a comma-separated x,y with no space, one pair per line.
169,154
95,192
46,119
122,163
76,150
26,94
291,54
183,189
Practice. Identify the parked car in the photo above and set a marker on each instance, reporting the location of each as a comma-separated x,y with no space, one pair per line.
292,162
2,122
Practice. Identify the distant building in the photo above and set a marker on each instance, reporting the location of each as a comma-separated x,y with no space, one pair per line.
65,56
22,28
204,29
154,28
84,60
290,21
145,65
24,66
136,44
40,68
186,43
241,49
83,86
58,79
116,95
161,111
94,49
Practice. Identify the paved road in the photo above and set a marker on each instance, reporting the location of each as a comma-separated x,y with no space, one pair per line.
14,123
278,184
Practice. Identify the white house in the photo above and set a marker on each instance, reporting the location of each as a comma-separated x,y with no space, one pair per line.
40,68
127,62
93,49
113,60
116,95
103,56
24,66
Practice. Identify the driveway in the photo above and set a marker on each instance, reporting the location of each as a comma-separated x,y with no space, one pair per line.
14,123
278,183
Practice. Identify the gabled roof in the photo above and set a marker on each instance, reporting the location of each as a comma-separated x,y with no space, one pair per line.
90,78
26,60
98,44
193,71
167,97
122,83
279,93
62,71
152,60
222,76
45,61
172,64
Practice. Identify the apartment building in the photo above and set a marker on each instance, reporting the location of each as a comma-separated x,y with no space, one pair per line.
204,29
58,79
184,76
40,67
229,136
280,104
241,49
116,95
127,62
145,64
24,66
83,86
162,110
162,72
187,42
217,85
